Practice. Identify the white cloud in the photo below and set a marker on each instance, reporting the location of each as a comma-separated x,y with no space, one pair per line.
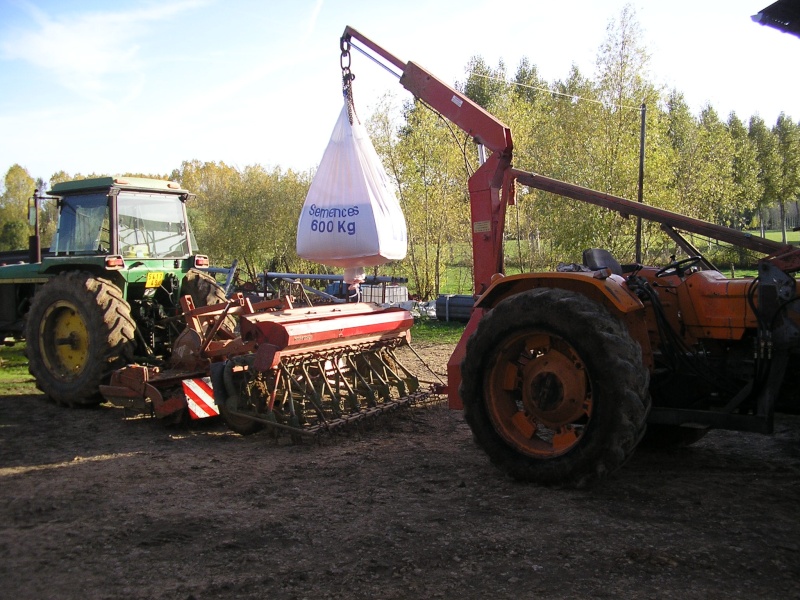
86,51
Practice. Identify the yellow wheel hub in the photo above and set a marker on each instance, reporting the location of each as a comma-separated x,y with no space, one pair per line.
64,340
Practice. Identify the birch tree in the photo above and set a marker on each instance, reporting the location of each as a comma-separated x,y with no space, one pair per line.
787,188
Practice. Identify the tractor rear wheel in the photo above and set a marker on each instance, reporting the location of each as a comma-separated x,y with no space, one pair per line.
79,328
239,393
554,388
205,291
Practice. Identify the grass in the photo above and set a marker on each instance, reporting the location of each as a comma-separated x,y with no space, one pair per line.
436,332
14,377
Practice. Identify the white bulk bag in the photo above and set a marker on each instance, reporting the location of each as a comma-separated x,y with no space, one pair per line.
351,216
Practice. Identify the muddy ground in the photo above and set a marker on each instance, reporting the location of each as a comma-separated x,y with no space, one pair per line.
93,505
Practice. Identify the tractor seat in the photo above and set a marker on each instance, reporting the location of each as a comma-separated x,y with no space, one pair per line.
136,251
598,258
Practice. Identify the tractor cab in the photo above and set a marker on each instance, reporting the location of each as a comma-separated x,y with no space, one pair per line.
122,216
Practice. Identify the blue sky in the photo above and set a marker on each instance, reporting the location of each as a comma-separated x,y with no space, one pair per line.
140,85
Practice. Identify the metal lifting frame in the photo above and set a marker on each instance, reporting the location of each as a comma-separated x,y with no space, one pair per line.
492,186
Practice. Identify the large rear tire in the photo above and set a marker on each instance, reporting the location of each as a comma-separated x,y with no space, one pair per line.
79,329
554,388
205,291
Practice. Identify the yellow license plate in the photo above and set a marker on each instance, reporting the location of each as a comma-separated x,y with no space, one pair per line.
154,280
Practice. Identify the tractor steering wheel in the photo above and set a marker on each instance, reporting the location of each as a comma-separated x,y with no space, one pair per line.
677,267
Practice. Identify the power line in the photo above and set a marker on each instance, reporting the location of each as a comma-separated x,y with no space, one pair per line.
550,91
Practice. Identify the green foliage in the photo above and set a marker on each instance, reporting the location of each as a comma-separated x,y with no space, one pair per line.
14,235
747,188
768,168
18,188
787,188
250,214
428,167
484,85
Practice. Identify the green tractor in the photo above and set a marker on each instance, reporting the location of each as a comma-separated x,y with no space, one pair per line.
106,293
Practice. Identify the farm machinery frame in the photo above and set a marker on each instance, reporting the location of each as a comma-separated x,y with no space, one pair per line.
561,375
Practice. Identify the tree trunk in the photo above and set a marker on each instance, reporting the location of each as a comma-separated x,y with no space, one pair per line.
782,206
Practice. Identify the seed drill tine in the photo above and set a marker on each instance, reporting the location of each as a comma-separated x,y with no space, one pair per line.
382,389
318,397
381,373
285,395
341,379
412,381
336,399
369,393
311,394
399,381
293,418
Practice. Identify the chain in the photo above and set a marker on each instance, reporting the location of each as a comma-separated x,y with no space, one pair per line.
347,80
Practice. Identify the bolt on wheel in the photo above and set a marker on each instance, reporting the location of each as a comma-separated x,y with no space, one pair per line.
539,395
64,340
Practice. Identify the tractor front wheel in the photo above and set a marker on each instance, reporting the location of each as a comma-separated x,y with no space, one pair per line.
79,328
554,388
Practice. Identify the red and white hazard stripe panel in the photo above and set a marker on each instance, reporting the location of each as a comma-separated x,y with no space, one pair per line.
200,398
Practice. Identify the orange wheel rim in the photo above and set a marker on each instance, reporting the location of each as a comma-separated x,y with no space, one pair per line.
538,394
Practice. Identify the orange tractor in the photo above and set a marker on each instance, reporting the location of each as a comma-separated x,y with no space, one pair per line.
560,374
